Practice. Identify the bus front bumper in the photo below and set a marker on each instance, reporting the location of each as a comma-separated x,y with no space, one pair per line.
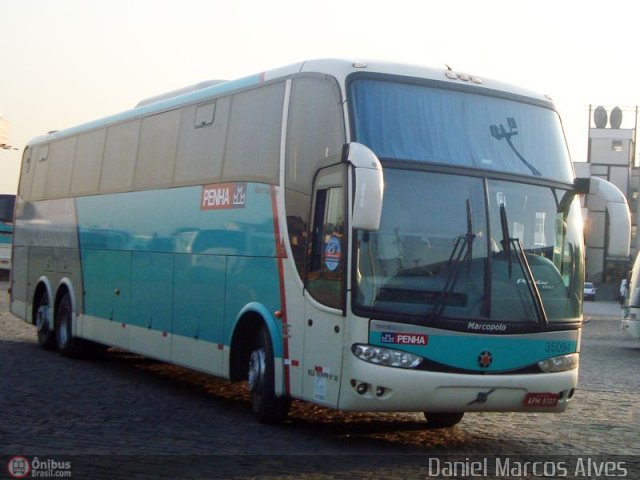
369,387
631,328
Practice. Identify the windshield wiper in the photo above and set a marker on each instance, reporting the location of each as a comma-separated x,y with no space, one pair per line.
506,240
462,250
507,243
500,132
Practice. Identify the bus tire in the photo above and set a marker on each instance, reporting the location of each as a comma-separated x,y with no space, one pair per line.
267,407
46,334
67,344
443,419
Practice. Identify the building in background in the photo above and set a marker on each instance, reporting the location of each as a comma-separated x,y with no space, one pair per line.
9,161
612,156
4,133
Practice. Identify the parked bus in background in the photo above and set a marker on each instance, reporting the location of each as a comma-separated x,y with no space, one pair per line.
6,229
631,307
365,236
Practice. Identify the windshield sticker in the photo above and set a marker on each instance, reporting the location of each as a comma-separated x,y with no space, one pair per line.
332,253
321,376
320,388
223,196
377,326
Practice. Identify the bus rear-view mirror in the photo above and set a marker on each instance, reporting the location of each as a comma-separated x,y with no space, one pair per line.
369,187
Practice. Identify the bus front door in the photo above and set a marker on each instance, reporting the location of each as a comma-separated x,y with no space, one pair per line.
324,290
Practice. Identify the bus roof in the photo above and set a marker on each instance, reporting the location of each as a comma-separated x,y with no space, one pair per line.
339,68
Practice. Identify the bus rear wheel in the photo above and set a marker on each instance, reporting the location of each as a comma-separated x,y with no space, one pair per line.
267,407
443,419
46,334
67,344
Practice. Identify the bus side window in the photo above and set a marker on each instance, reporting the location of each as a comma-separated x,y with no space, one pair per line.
326,267
315,136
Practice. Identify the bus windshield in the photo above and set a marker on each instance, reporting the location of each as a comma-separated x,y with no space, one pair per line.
440,251
420,123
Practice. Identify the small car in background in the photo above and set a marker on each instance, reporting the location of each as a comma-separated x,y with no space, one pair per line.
589,291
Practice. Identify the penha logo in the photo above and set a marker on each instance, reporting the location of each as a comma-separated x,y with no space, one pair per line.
411,339
388,337
404,338
223,196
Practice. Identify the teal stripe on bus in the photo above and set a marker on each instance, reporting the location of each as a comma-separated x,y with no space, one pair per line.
463,351
155,259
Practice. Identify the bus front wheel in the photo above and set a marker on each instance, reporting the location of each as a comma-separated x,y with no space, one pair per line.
443,419
267,407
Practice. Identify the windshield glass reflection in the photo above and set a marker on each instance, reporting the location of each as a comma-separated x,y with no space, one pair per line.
437,125
434,255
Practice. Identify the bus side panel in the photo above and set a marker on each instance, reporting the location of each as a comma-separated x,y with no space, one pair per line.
19,299
167,272
198,311
40,259
198,307
45,245
251,280
151,290
151,303
107,295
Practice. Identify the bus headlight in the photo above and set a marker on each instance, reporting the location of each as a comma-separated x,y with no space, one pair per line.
385,356
559,364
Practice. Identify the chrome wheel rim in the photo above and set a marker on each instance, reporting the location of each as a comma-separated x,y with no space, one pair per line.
42,318
63,330
256,369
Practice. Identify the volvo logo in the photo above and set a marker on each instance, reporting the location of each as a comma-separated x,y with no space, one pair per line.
482,397
485,358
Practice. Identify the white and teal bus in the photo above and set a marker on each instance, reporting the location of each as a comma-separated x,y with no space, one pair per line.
631,311
7,202
364,236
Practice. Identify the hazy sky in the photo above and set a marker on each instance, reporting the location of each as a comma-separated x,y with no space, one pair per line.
64,62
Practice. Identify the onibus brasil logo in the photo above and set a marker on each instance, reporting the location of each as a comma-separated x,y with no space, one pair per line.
21,467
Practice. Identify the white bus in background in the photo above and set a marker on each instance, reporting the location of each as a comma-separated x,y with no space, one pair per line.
241,229
7,202
631,311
